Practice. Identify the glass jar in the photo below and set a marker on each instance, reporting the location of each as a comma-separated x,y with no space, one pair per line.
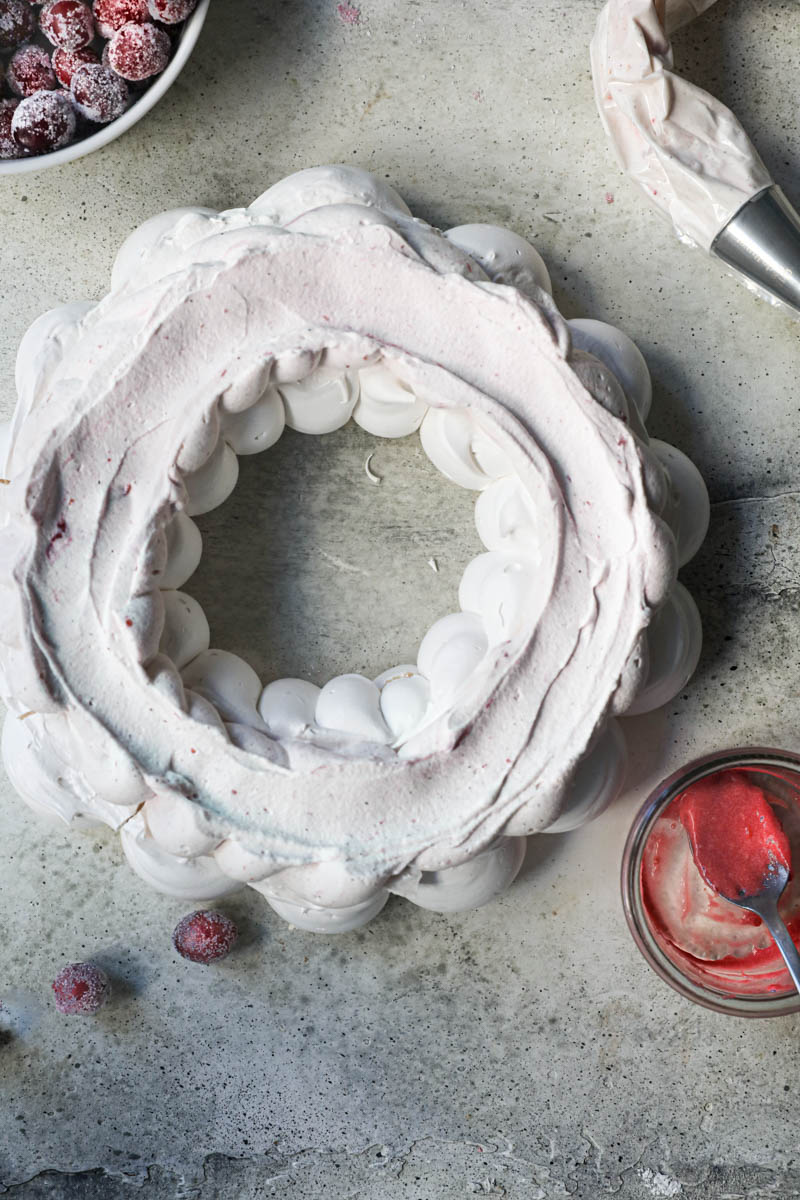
777,773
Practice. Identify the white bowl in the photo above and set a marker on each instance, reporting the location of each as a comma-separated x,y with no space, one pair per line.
38,162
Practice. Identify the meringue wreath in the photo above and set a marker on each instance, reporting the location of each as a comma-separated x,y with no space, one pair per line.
323,301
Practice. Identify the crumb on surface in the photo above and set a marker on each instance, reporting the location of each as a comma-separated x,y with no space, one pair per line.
349,14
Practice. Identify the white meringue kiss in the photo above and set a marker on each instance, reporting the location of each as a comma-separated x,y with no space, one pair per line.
152,236
211,484
688,509
5,445
287,707
185,878
178,826
184,551
405,695
316,918
44,779
501,588
447,437
674,640
258,427
186,632
352,704
506,518
43,346
228,682
387,407
620,354
320,403
598,780
469,885
505,256
450,652
320,187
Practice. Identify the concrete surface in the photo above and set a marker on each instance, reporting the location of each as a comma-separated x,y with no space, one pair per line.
523,1050
340,573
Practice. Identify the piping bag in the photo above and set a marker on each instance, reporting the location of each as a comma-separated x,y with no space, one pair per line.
688,152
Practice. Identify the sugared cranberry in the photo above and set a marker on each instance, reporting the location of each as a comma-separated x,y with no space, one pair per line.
67,23
8,147
99,94
111,15
80,988
135,87
44,122
66,62
138,51
17,24
30,71
171,12
204,936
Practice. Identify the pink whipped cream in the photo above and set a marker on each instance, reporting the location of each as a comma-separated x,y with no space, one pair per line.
686,150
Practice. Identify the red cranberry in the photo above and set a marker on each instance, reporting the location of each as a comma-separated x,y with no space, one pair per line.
17,24
204,936
135,86
111,15
44,122
66,62
30,71
80,988
8,147
171,12
138,51
99,94
67,23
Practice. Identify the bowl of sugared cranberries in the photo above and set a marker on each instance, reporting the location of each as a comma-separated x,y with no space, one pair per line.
76,74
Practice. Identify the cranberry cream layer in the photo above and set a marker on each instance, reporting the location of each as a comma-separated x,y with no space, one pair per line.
720,838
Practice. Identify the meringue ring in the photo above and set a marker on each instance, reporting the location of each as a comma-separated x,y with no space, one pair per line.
324,301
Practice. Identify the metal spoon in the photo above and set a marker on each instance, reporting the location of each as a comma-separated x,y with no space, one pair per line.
765,905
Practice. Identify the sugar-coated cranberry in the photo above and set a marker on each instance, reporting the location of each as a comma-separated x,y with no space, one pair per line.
8,147
171,12
67,23
17,24
99,94
111,15
139,51
80,988
106,61
44,122
204,936
30,70
66,62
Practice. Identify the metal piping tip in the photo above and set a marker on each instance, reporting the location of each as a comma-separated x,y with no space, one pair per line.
762,242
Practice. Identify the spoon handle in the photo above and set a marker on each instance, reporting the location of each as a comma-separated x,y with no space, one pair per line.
769,915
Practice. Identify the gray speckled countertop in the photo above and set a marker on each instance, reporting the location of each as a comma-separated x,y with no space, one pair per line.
524,1049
